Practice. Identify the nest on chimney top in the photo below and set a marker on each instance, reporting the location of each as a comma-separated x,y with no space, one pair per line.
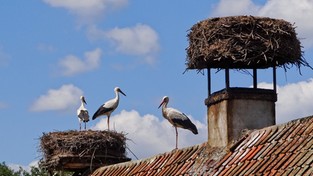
243,42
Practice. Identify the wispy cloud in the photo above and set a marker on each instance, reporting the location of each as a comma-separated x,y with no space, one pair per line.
298,12
72,65
149,135
44,47
294,100
139,40
87,11
62,99
3,105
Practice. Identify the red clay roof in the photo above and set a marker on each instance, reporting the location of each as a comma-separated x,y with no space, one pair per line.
177,161
277,150
282,150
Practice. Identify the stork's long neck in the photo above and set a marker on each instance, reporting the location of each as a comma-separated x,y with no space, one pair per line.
82,104
164,108
117,96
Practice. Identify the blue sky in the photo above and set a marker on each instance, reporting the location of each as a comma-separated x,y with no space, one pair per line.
53,51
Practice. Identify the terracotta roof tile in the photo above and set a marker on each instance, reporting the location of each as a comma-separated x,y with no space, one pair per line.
269,149
308,172
285,149
248,169
223,160
234,169
281,158
255,151
266,166
265,136
303,170
306,158
261,151
273,172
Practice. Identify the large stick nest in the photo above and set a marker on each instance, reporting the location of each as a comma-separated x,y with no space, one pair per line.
72,150
243,42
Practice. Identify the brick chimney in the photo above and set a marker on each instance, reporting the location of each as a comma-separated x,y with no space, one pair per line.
232,110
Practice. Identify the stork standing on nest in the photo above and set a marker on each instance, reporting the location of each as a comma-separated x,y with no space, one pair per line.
82,113
108,107
177,118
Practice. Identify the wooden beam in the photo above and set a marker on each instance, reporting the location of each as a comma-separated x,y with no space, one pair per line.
227,78
274,79
255,78
209,82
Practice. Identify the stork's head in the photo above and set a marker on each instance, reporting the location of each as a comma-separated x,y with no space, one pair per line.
164,100
117,89
82,98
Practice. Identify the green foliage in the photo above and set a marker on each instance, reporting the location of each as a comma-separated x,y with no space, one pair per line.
6,171
35,171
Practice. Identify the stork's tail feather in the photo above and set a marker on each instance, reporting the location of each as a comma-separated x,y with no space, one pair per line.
97,113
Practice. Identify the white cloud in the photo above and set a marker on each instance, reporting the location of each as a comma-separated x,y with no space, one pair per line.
294,100
71,65
149,135
87,10
140,40
299,12
239,7
64,98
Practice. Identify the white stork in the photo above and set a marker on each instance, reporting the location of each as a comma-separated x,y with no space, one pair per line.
82,113
176,118
108,107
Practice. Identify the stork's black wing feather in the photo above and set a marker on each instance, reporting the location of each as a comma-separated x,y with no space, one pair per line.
186,124
101,111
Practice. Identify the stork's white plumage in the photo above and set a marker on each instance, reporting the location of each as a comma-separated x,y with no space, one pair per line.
82,113
177,118
108,107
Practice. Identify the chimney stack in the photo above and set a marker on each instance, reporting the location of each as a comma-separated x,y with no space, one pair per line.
232,110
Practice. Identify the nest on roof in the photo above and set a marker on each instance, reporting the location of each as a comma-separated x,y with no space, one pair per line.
243,42
76,150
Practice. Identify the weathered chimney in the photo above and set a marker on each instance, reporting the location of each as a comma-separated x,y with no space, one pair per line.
232,110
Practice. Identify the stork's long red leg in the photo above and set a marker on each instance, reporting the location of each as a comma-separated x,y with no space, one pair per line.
108,123
176,137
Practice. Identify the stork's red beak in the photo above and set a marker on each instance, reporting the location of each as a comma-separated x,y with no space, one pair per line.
161,104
